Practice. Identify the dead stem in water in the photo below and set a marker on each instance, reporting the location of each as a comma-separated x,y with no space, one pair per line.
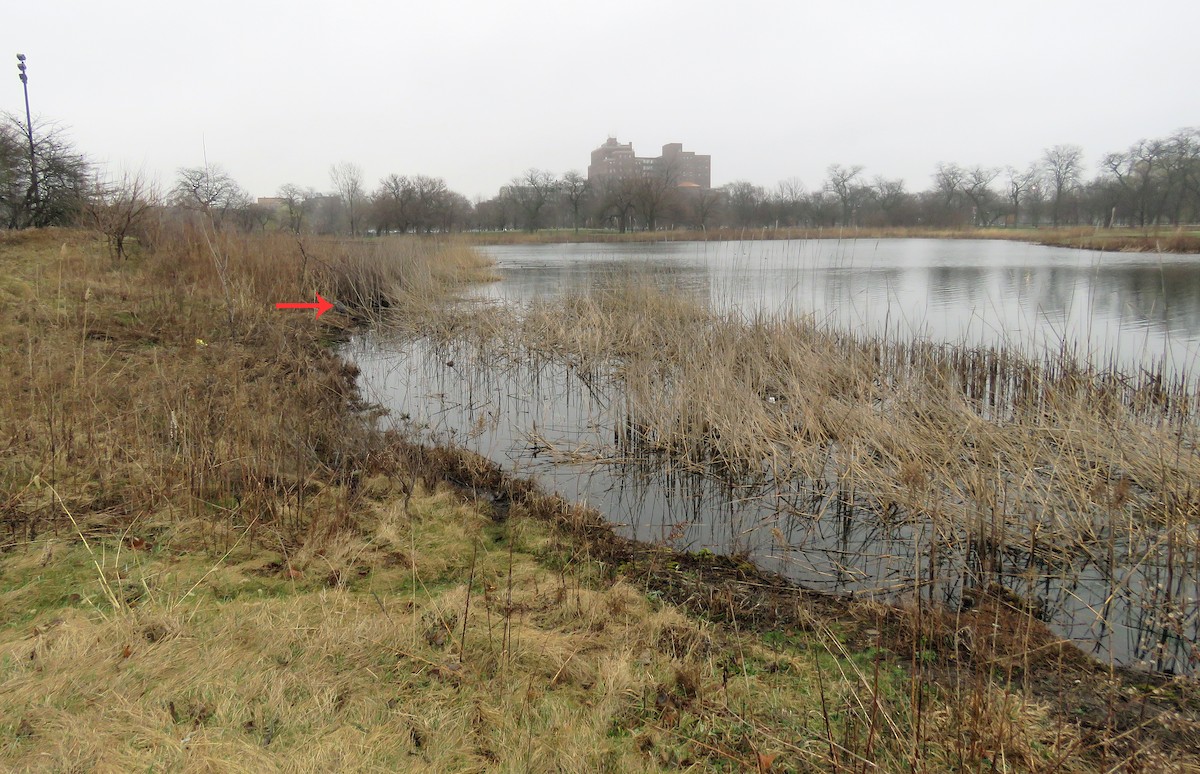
1026,467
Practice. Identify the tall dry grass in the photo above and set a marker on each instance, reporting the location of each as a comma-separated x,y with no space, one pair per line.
171,385
1013,472
198,569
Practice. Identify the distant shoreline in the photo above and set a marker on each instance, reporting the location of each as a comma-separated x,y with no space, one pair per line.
1127,240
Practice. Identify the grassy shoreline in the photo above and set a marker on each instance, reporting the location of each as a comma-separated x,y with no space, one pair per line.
1149,240
210,561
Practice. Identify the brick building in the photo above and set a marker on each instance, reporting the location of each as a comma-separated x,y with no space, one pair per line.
615,160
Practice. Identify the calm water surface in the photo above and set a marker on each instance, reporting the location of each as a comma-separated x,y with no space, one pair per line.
1135,309
1139,311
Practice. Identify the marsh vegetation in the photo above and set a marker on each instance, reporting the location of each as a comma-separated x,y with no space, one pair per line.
211,558
871,463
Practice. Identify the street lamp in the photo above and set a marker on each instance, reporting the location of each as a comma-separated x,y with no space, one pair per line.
29,131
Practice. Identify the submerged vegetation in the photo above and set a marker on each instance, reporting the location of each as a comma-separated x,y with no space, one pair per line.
210,559
1065,484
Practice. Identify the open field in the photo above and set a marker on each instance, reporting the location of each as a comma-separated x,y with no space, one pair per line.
1164,240
209,560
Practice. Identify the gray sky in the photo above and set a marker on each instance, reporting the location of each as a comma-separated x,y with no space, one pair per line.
477,91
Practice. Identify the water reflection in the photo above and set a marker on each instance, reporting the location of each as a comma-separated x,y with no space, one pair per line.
1132,310
538,418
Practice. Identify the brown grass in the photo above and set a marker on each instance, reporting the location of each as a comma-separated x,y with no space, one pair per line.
546,668
210,562
172,383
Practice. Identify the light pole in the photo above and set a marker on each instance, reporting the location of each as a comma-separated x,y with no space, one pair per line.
29,131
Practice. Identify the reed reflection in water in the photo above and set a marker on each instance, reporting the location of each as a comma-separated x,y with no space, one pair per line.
574,433
1131,310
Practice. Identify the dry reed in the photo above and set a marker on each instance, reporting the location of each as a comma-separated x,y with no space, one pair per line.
267,583
1011,471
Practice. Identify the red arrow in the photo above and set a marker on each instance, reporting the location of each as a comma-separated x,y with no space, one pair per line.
322,306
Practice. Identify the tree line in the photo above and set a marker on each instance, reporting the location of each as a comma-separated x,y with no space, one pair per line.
1152,183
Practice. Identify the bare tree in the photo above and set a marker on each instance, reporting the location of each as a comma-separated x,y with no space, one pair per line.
789,201
490,214
1184,175
654,193
1062,164
947,182
115,207
347,180
947,194
62,176
1154,182
455,210
575,189
209,189
260,215
530,193
702,207
842,183
618,199
14,185
822,208
431,200
212,193
297,202
890,196
393,204
1020,185
977,187
745,200
1141,174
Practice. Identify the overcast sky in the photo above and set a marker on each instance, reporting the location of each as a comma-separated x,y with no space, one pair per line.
476,91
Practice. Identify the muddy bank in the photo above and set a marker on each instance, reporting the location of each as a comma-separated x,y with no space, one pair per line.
993,636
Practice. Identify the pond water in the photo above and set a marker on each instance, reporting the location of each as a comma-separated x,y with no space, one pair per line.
1135,311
